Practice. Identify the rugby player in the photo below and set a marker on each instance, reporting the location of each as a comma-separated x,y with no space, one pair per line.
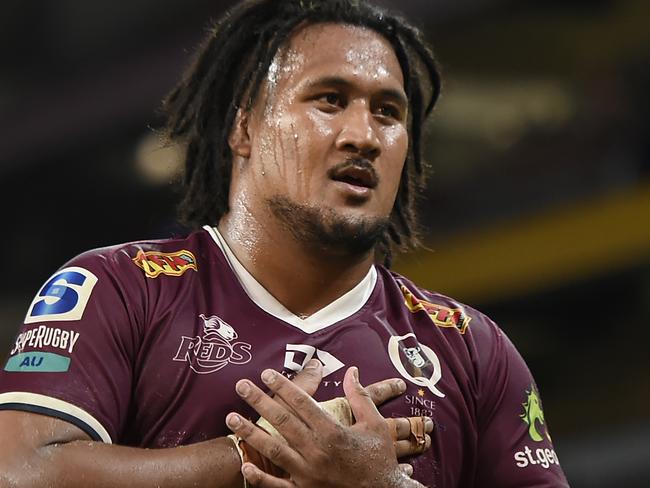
302,121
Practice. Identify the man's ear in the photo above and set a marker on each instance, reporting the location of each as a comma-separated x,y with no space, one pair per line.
239,138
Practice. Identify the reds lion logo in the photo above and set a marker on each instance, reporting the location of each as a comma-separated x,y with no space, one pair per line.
214,349
214,324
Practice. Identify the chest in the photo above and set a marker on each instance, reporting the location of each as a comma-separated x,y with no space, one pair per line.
193,355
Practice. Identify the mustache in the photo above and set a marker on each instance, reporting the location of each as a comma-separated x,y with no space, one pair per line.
359,163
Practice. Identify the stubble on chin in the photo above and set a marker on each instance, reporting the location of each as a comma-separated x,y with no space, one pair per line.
326,229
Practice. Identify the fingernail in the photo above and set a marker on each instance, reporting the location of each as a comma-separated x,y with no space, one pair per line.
247,470
243,388
312,364
233,421
428,422
408,469
268,376
401,386
355,373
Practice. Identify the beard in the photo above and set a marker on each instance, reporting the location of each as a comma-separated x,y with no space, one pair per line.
327,230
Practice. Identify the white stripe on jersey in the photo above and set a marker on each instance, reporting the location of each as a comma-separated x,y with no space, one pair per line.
36,400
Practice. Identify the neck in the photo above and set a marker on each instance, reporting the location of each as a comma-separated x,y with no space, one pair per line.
302,277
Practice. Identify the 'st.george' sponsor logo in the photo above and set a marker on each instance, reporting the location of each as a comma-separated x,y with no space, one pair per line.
44,336
440,315
537,457
214,349
533,416
155,263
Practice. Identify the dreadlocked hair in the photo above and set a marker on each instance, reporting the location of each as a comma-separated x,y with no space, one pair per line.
227,74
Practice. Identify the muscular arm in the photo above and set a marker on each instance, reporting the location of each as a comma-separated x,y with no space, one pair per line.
515,448
44,451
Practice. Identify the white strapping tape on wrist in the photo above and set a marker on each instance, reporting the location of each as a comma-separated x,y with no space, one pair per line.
236,440
338,408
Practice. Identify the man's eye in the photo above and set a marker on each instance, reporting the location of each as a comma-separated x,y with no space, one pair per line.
330,98
389,111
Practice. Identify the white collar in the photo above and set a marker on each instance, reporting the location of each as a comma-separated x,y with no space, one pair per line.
341,308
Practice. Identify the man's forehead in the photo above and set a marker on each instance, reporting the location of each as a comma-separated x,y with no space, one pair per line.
338,34
336,45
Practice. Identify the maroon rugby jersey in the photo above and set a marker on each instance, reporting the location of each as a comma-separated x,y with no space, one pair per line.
142,344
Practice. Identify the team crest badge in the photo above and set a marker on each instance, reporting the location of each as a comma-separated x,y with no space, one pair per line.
214,349
440,315
155,263
416,362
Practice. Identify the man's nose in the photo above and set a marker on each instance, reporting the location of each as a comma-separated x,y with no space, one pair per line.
358,133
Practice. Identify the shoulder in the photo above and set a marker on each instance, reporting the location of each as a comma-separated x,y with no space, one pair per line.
116,277
485,351
125,283
444,311
463,331
148,258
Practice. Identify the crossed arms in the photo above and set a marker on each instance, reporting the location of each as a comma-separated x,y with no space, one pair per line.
46,451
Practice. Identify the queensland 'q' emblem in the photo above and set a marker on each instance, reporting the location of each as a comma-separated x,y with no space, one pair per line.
415,362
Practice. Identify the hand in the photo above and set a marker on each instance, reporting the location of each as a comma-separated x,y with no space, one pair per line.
308,379
320,452
402,429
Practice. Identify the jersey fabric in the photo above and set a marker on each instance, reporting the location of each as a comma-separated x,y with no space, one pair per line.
141,344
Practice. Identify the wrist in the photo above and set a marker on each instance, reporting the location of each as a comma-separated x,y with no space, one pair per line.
237,442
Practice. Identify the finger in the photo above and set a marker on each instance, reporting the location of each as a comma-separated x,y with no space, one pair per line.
410,448
299,403
257,477
382,391
362,406
270,447
406,468
402,428
310,377
276,414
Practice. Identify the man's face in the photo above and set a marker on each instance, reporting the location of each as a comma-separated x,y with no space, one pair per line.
329,135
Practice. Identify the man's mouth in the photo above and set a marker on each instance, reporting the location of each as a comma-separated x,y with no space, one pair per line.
355,172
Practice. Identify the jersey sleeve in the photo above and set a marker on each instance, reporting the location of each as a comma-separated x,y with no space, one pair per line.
515,448
73,356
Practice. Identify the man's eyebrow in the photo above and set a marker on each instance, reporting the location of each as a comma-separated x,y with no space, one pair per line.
338,82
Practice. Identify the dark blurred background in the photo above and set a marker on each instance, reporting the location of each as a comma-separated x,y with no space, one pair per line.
538,211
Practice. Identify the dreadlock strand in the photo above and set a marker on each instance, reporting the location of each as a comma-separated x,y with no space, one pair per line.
426,56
